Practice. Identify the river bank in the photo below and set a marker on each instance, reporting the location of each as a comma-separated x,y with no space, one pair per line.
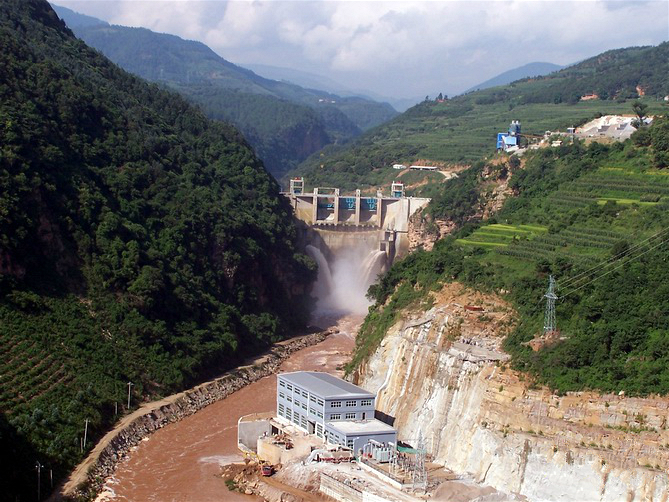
182,462
88,478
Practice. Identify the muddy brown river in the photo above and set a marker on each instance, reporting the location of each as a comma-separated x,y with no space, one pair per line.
182,462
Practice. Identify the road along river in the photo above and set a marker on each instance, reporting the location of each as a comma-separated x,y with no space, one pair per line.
182,461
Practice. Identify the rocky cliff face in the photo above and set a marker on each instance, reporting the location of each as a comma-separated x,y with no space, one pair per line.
442,374
493,188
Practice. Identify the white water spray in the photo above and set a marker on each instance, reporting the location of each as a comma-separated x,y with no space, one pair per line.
342,284
323,284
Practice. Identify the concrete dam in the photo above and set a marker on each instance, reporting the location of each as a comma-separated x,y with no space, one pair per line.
353,238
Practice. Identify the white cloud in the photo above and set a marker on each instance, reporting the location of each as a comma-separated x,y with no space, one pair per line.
398,48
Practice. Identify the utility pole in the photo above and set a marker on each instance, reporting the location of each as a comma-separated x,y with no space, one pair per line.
38,466
85,433
130,384
550,325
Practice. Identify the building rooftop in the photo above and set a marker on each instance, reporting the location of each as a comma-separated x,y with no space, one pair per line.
363,427
325,385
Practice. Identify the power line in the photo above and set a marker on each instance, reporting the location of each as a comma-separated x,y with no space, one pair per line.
615,268
610,261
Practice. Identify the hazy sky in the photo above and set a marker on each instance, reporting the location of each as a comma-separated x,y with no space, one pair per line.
397,48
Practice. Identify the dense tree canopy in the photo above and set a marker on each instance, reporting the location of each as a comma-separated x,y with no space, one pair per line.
139,241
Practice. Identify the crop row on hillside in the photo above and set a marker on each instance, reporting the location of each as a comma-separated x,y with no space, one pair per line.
608,259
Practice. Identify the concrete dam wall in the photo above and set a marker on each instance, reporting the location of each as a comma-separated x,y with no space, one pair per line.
343,221
353,239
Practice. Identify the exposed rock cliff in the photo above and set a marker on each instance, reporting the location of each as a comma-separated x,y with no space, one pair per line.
442,373
492,186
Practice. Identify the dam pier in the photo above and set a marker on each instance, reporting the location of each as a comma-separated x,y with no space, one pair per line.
326,210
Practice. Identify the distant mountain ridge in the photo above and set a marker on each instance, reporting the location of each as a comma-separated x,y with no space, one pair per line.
525,71
314,81
284,122
461,130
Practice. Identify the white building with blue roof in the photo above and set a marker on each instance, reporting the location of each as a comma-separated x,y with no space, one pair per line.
331,408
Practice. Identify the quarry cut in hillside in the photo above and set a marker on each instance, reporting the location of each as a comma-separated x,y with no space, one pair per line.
442,373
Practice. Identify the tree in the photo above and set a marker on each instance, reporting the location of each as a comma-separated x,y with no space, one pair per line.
639,110
659,133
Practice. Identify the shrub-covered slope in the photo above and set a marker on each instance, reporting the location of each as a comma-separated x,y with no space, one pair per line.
597,218
464,129
139,242
284,122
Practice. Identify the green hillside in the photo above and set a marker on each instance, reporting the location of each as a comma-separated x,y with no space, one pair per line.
597,218
139,241
463,129
284,122
529,70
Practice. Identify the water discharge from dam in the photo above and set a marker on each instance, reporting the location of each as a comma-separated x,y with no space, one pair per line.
182,461
343,282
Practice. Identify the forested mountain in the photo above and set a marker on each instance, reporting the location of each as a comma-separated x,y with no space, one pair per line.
284,122
463,129
594,217
526,71
139,241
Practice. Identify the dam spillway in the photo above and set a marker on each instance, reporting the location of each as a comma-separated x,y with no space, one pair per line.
382,218
353,239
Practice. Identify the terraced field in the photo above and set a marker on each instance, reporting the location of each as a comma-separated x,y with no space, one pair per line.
579,244
499,236
534,243
616,184
28,370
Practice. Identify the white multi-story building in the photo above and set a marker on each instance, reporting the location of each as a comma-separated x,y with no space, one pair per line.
331,408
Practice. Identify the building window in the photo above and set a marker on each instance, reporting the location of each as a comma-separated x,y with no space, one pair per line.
304,406
282,383
320,414
282,395
289,414
366,402
304,423
282,410
320,402
335,416
289,387
349,444
305,394
350,416
289,399
351,403
312,399
335,404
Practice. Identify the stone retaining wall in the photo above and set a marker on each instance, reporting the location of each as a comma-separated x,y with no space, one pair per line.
184,405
